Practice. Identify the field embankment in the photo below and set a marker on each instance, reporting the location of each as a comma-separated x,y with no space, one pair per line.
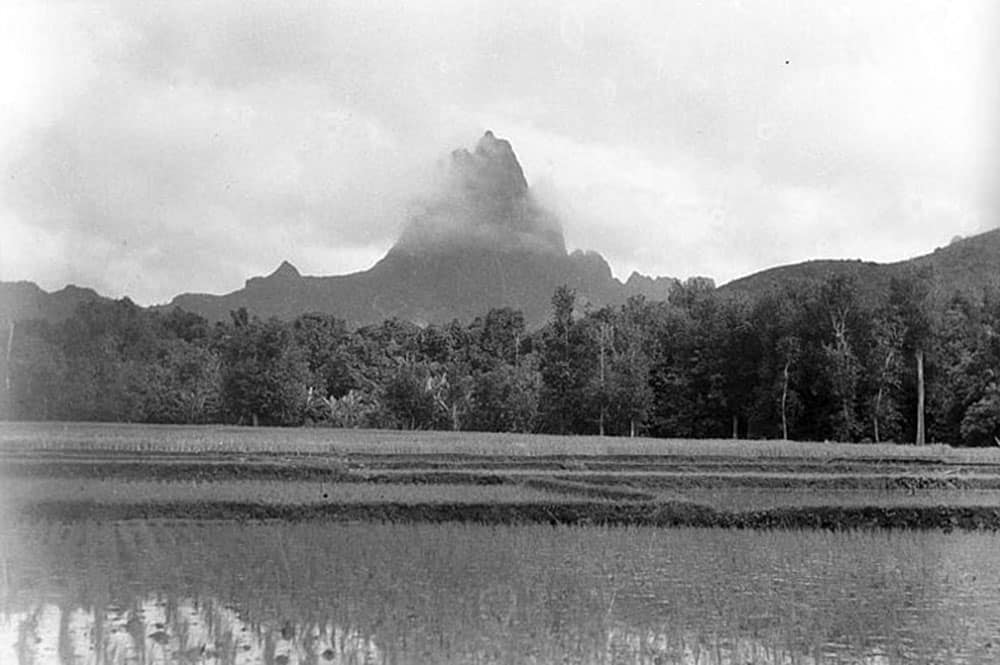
124,472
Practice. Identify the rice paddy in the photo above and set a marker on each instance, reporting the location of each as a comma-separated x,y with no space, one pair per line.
316,592
17,492
120,437
128,544
122,471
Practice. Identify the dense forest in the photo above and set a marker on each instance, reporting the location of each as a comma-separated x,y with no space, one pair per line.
821,363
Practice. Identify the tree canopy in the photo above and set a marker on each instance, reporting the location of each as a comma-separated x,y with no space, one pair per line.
809,364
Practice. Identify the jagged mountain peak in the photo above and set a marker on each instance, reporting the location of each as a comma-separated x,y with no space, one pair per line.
283,274
652,288
285,270
484,202
492,168
480,238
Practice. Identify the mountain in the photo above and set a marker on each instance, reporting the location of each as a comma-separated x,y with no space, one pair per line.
970,266
651,288
967,265
20,301
481,240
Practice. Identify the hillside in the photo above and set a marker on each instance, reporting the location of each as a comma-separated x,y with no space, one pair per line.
21,301
969,266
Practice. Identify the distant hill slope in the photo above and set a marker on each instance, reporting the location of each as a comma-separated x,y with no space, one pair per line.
969,266
20,301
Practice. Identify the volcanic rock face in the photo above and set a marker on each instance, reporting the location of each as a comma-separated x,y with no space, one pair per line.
480,240
485,203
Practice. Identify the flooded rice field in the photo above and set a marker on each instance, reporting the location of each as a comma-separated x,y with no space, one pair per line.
220,592
136,545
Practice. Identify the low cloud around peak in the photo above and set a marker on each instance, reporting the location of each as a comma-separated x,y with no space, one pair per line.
483,201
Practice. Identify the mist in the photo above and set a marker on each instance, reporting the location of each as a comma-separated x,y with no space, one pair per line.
152,151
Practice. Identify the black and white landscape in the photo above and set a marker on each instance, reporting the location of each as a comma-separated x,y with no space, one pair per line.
339,332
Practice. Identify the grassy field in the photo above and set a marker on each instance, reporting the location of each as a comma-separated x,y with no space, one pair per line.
119,471
17,491
91,437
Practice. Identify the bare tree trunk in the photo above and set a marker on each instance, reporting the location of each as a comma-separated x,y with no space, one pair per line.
878,406
784,402
736,426
921,433
846,410
6,367
881,390
603,390
6,575
631,428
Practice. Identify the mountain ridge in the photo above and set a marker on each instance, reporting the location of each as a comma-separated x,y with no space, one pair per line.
482,240
970,266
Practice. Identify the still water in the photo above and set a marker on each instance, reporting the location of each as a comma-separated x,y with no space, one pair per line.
320,592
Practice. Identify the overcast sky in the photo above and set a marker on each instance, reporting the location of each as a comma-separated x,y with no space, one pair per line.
148,149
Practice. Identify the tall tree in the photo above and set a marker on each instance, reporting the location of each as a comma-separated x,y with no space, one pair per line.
264,377
839,298
739,357
566,366
37,373
322,341
981,422
910,296
963,360
775,403
506,399
884,373
788,350
499,336
631,395
602,329
686,376
408,399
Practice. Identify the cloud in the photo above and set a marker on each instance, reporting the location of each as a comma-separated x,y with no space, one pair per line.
149,150
172,171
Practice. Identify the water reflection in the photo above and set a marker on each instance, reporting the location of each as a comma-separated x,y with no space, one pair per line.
318,593
160,632
157,632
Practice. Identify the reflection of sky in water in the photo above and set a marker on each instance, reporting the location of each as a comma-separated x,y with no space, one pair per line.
156,632
226,593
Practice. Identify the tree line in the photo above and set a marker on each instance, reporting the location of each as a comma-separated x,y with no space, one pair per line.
822,362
